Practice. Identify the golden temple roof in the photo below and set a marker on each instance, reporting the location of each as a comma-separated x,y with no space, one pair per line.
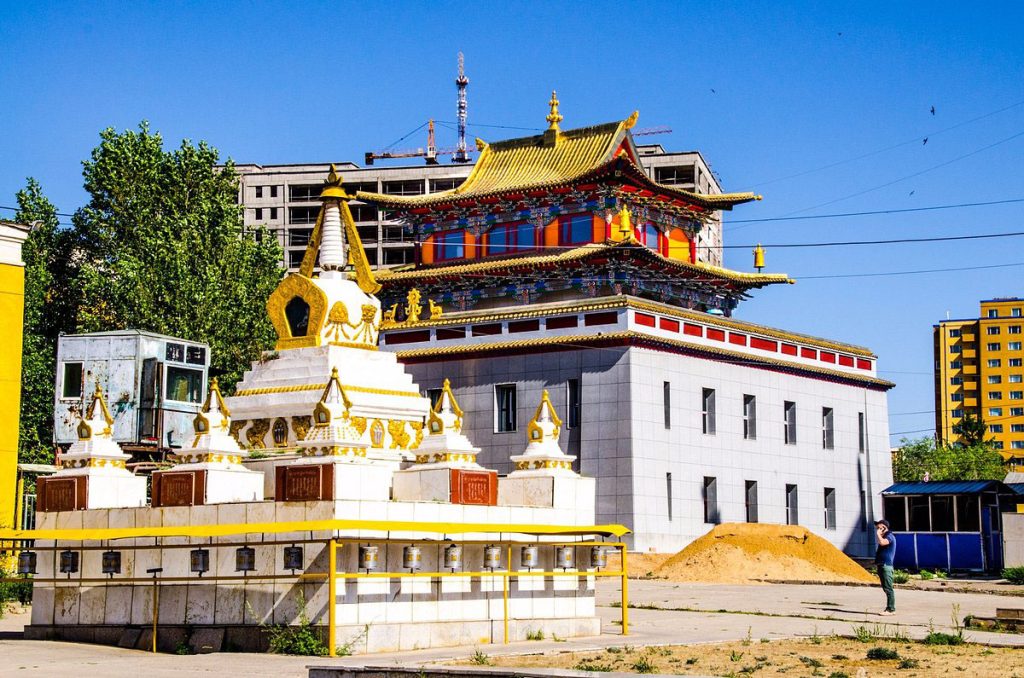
579,253
553,159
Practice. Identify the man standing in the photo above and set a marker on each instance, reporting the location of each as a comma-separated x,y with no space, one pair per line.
884,555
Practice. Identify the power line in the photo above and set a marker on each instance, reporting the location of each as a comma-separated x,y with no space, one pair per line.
876,212
915,140
894,273
478,124
18,209
894,241
909,176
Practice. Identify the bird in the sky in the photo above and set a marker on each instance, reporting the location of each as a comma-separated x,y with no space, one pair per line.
840,34
933,110
912,192
925,141
713,90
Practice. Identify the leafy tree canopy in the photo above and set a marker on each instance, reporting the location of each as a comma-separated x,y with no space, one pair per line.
915,458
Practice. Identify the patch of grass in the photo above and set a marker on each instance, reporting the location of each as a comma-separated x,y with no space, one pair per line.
690,661
735,656
882,653
591,666
643,665
753,668
908,664
811,662
940,638
926,575
747,640
839,674
535,635
900,576
840,657
1014,575
302,639
766,640
613,650
480,658
815,638
863,634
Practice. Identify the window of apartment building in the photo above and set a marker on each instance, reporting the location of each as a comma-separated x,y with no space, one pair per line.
956,397
993,347
954,333
295,258
409,187
576,229
1017,444
995,395
303,215
956,381
504,408
1016,395
1016,428
994,362
299,237
668,495
572,397
71,386
437,185
956,414
710,496
992,330
304,192
995,411
955,365
998,444
1014,345
273,214
371,256
1013,329
1015,362
957,429
259,191
666,403
995,379
1015,378
1015,312
995,428
707,414
792,506
749,417
1017,411
862,432
273,191
789,422
363,212
751,501
674,175
828,430
394,256
258,214
956,348
830,508
993,313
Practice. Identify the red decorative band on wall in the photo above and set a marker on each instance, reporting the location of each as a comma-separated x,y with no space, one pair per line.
846,361
670,325
863,364
738,339
487,330
524,326
562,322
717,335
789,349
607,318
827,357
693,330
808,353
763,344
643,319
413,337
451,333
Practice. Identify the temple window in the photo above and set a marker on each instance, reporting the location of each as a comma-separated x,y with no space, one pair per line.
185,386
450,245
504,408
280,432
511,238
650,236
577,229
297,314
72,381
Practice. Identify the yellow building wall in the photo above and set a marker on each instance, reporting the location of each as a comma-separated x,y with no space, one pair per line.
12,313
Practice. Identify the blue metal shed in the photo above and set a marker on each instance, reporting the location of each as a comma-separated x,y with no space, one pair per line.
948,525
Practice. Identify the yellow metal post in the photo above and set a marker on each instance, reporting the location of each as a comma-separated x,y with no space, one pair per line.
625,591
156,609
332,595
504,588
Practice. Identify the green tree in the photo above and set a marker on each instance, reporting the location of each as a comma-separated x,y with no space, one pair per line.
162,248
49,310
915,458
972,430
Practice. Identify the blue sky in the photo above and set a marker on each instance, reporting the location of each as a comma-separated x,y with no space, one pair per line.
764,90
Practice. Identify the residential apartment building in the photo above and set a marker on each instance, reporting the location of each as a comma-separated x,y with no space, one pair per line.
286,199
979,371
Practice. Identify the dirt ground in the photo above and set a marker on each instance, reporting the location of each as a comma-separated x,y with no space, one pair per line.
832,657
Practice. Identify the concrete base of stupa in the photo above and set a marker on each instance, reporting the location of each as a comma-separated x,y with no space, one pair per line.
198,484
90,489
545,489
221,610
324,478
447,484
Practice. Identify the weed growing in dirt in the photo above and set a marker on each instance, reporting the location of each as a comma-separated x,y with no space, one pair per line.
480,658
882,653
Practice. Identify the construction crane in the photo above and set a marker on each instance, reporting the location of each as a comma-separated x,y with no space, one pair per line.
461,82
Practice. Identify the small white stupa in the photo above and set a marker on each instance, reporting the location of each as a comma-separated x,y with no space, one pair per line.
210,470
543,474
446,468
93,472
333,462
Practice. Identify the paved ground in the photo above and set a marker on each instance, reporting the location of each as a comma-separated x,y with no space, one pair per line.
666,614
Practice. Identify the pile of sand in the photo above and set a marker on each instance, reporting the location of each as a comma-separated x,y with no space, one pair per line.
739,553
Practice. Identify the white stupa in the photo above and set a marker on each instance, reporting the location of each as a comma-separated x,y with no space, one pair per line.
543,456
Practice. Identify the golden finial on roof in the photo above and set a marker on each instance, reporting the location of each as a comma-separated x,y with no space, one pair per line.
97,417
334,186
480,144
629,122
446,414
554,117
545,425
